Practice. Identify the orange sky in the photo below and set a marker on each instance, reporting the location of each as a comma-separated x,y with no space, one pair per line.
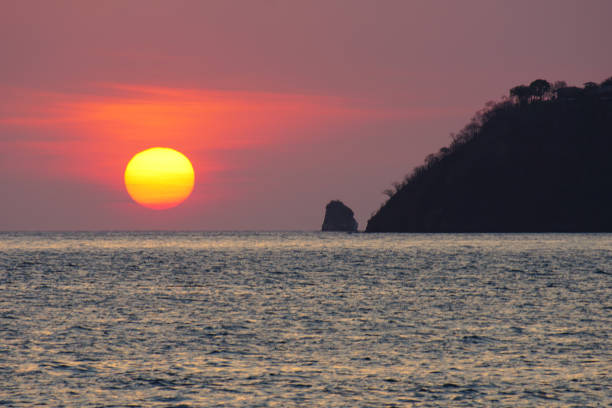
280,106
96,133
89,137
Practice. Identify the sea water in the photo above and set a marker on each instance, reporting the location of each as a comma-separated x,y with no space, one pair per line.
166,319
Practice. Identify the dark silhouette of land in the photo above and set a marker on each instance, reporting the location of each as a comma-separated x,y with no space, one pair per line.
338,217
539,160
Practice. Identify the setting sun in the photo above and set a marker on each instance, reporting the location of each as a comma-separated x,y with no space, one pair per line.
159,178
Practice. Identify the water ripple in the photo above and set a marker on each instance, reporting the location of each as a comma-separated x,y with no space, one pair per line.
305,319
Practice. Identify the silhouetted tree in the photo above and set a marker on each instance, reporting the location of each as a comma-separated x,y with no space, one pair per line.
569,92
558,85
539,88
590,86
606,83
522,93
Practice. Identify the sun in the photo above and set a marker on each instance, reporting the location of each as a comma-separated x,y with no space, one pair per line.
159,178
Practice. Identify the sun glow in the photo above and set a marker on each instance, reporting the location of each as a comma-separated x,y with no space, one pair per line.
159,178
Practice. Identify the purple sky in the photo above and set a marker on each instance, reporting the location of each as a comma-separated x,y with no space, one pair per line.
280,105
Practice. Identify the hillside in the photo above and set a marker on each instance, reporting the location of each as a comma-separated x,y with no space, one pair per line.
540,160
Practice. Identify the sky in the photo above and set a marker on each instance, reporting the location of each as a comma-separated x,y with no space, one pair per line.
281,106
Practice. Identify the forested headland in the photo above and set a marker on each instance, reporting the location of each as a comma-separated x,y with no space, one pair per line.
539,160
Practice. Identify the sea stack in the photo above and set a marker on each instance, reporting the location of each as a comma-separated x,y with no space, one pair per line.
338,217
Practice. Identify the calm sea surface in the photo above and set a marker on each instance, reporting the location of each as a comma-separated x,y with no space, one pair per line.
305,319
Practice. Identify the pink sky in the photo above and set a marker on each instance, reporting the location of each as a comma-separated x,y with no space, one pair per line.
281,106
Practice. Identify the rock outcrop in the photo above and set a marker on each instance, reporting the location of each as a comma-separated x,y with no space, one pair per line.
338,217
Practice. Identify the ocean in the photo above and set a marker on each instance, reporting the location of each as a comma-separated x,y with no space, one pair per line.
250,319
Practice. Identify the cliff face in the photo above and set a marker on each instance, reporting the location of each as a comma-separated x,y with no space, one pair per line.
529,165
338,217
